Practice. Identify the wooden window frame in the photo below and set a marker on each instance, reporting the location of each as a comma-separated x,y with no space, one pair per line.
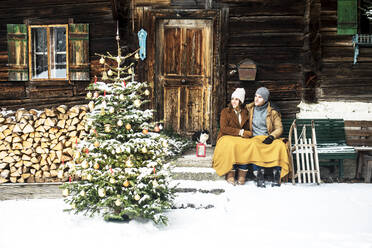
30,52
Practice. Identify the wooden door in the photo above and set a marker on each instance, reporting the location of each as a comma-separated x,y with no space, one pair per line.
183,73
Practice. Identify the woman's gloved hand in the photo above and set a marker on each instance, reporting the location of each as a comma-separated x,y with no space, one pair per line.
268,140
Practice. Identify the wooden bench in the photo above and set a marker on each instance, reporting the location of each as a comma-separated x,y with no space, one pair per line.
331,141
359,135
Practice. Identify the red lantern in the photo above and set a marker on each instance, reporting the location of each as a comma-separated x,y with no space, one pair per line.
201,150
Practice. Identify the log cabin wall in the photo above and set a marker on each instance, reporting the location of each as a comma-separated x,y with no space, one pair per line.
271,33
97,13
340,79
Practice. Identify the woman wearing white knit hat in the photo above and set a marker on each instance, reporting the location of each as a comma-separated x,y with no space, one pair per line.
234,122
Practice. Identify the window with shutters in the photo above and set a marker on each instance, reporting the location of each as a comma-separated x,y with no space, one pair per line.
47,47
48,52
354,17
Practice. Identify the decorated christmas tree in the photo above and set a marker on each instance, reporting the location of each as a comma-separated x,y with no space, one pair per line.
122,163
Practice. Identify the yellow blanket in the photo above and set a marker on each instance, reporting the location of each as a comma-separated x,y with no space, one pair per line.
232,150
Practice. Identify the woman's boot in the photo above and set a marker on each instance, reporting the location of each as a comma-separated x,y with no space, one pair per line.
241,176
230,177
276,180
260,178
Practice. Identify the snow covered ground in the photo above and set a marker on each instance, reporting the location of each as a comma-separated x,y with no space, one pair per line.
329,215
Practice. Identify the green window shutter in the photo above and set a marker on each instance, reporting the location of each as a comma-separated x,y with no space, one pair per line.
17,52
79,51
347,17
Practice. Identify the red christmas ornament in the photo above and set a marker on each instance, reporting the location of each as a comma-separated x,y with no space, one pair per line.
104,93
124,83
111,171
76,141
69,179
95,79
154,169
86,150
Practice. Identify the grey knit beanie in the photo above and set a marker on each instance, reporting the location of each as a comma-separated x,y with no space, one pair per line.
264,92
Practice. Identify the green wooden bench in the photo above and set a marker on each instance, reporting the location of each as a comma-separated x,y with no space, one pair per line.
331,140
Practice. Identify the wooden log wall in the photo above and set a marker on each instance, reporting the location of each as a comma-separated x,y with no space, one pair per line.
340,79
97,13
271,33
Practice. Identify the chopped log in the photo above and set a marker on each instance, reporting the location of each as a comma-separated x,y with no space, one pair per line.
49,122
8,131
5,173
27,163
49,112
2,136
19,113
26,144
40,150
20,180
28,129
17,128
54,173
61,123
19,164
31,179
26,157
45,168
58,147
3,154
25,175
62,109
53,167
3,166
33,171
13,179
3,127
36,167
9,159
9,139
25,136
3,180
40,129
46,174
25,169
17,146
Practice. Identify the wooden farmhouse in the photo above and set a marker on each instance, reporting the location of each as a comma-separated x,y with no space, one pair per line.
197,52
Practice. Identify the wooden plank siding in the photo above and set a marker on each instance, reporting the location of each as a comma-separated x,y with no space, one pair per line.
271,33
102,29
340,79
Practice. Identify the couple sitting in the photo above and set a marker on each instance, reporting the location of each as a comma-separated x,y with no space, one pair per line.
249,136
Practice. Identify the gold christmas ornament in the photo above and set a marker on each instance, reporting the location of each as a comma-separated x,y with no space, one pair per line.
96,166
112,180
111,110
137,103
101,192
147,92
121,97
128,126
102,111
126,183
65,192
145,131
109,72
104,75
96,144
137,197
83,193
119,123
102,60
107,128
144,150
136,56
118,202
89,95
96,94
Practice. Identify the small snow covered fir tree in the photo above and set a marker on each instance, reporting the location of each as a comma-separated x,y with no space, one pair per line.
121,163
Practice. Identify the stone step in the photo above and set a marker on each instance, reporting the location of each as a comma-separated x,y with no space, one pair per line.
195,173
189,159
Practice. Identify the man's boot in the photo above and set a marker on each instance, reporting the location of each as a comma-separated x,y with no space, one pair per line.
260,178
241,176
230,177
276,180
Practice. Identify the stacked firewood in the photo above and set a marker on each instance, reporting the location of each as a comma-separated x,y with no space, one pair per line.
36,145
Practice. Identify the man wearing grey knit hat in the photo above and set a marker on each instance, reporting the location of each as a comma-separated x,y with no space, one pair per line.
265,120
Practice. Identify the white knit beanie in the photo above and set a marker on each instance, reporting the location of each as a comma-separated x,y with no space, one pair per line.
239,93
